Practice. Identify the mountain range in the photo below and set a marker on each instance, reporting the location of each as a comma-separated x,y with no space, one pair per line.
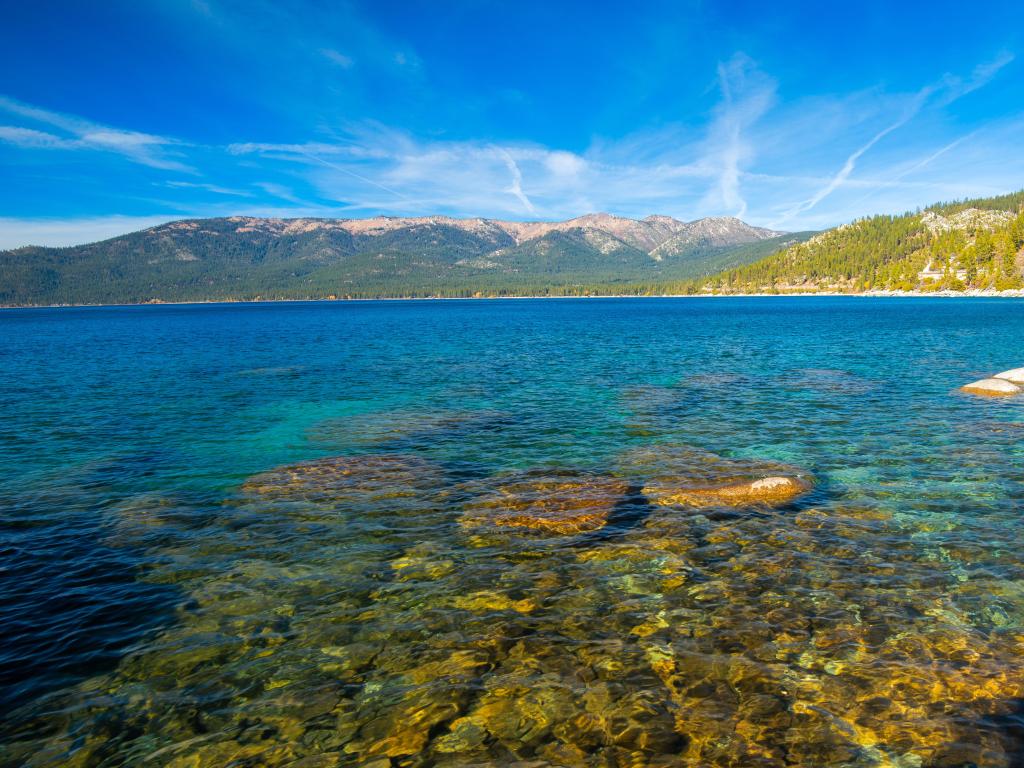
969,244
239,258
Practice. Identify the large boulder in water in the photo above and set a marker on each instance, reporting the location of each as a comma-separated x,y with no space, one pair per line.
995,387
557,501
1016,375
680,476
774,490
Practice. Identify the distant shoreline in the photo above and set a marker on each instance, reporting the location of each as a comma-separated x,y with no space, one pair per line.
979,294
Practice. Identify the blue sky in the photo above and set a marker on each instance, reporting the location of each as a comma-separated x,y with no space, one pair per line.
119,115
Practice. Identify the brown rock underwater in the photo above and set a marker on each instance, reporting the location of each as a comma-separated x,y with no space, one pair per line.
782,634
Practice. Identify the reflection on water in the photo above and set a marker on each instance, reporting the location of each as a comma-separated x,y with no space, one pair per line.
811,563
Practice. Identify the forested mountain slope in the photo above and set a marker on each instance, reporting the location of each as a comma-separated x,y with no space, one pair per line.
969,244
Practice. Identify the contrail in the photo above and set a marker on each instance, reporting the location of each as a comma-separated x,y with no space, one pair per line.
954,89
353,174
844,172
917,166
934,156
729,180
517,181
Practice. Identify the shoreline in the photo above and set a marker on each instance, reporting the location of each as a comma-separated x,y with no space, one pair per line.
970,294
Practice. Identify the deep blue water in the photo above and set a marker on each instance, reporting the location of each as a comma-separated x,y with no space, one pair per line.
149,603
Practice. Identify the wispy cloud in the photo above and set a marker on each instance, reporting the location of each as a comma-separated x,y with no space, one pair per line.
747,95
349,172
324,37
926,161
215,188
281,192
337,57
897,179
844,173
744,152
679,170
943,93
516,188
308,147
953,87
29,138
664,170
143,148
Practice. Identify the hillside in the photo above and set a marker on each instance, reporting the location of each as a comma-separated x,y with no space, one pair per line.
969,244
241,258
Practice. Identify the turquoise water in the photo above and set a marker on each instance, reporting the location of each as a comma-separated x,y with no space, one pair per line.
182,587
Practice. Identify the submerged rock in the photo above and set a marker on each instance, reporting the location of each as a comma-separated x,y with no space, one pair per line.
1015,375
344,478
486,601
826,380
768,490
836,635
423,562
144,519
465,734
405,425
996,387
673,476
551,501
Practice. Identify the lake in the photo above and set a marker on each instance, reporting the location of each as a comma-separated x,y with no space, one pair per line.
425,533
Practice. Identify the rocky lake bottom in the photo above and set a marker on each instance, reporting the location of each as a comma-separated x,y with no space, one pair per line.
665,532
